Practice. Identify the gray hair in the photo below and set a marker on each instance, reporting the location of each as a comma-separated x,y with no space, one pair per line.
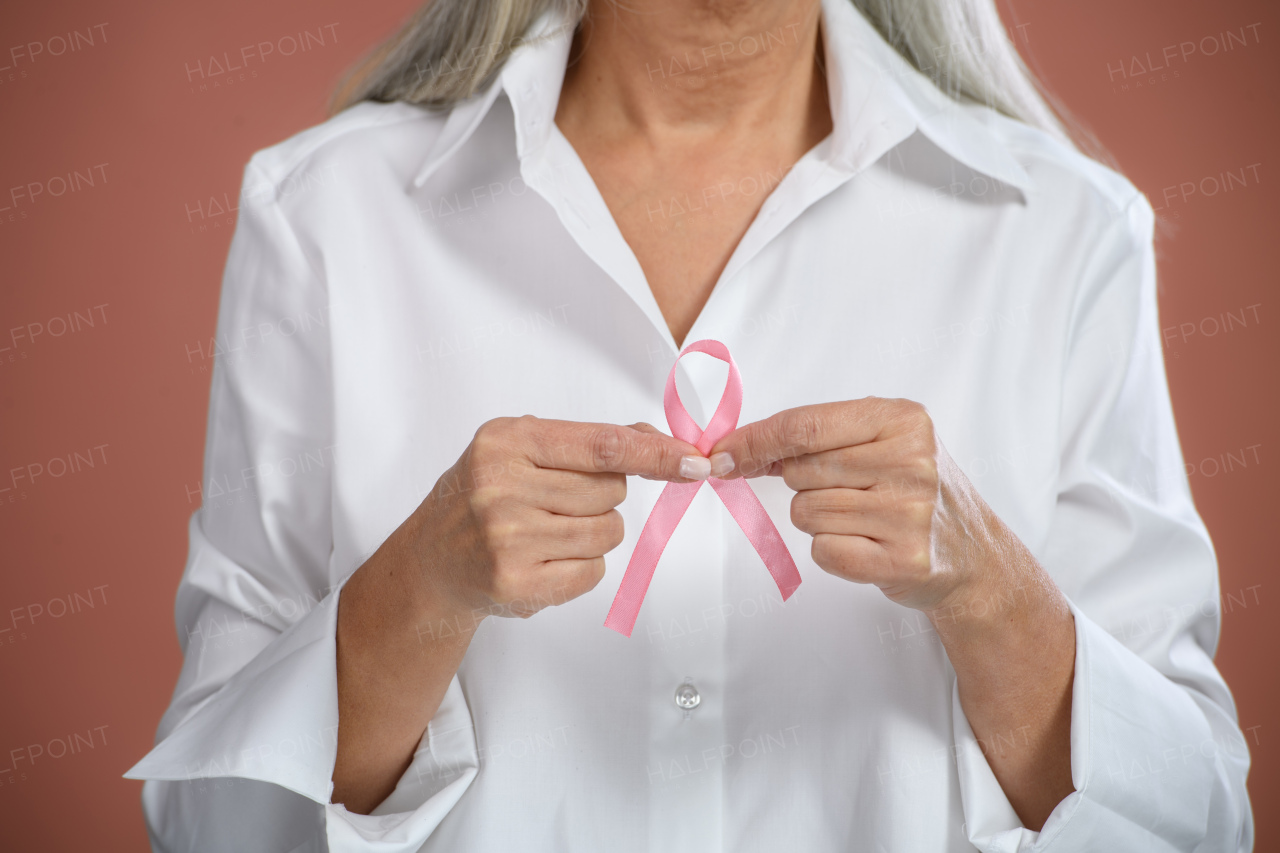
452,49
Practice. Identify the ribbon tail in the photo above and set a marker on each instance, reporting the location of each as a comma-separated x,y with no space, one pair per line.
751,516
663,518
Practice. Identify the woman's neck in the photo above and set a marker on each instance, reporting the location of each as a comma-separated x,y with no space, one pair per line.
689,73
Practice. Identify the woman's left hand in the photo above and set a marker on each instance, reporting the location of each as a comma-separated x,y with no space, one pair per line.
883,500
886,505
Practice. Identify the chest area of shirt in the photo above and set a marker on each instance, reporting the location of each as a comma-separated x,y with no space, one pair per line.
684,221
437,344
493,294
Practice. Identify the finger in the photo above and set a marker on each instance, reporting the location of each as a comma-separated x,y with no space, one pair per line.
607,447
859,512
755,447
854,558
860,466
652,430
566,537
552,583
574,492
565,580
577,577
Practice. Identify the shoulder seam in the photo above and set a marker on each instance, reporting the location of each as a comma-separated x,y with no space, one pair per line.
319,136
1119,203
1025,150
275,211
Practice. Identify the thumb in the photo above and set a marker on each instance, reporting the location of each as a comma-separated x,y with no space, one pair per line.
754,450
689,450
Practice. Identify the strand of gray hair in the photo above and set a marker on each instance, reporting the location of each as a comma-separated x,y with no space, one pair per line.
452,49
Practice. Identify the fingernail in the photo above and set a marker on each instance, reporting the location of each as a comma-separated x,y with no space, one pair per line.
695,467
721,463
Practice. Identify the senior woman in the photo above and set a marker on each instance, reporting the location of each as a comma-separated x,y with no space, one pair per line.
448,316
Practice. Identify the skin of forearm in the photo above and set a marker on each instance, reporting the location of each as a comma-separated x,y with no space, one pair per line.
1011,642
392,674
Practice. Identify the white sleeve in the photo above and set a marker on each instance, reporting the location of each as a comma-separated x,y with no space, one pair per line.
1158,760
245,753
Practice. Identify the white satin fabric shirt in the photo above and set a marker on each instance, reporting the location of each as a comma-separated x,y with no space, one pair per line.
398,277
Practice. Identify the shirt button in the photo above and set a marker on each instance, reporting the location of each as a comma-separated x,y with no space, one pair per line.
687,697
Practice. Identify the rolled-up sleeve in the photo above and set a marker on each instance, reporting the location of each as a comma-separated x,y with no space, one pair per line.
244,754
1158,760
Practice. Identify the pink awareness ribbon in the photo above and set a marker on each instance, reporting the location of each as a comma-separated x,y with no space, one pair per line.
737,496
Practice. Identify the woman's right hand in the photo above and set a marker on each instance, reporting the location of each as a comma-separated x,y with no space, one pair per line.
524,518
522,521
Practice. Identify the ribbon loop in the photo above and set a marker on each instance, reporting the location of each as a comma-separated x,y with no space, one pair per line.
725,419
675,499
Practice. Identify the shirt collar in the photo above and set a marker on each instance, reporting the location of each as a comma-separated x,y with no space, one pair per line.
873,86
874,92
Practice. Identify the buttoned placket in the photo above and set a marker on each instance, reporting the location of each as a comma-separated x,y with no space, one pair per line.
693,569
686,758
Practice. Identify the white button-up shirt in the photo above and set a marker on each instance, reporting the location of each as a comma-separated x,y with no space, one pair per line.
399,276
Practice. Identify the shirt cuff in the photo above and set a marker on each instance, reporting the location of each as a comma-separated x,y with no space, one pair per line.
1141,780
276,720
443,767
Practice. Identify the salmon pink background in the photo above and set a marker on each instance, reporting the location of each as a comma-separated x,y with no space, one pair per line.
141,253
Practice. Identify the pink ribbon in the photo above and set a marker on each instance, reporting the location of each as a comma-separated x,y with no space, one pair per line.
737,496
